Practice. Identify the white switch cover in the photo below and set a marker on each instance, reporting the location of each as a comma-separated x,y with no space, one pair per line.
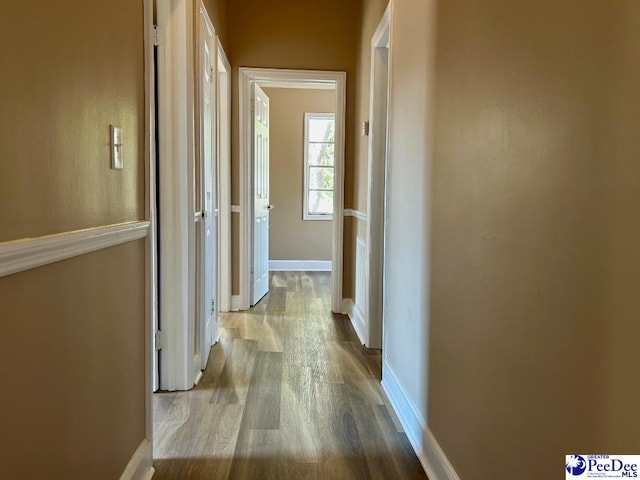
116,147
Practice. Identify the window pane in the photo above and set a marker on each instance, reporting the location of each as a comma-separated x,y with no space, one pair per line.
321,154
321,129
320,202
320,178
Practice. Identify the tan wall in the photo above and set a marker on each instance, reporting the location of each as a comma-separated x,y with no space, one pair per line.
73,333
535,254
298,35
59,97
73,367
217,10
292,238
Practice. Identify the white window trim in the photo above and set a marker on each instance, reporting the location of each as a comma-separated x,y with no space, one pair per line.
305,188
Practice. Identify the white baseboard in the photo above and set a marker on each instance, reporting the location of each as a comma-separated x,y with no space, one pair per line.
347,307
140,467
356,317
236,303
359,325
300,265
429,452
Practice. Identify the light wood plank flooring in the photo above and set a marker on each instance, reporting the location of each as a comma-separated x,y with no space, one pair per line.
289,393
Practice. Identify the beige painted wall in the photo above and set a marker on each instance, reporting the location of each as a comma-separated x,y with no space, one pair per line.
298,35
72,359
291,237
217,10
59,98
536,264
73,366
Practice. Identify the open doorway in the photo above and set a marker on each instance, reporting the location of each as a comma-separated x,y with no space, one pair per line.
302,166
249,175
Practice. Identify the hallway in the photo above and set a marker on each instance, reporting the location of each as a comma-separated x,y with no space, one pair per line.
288,393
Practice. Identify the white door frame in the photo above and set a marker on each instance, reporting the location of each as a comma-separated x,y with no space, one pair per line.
378,154
223,121
303,78
145,462
176,210
205,30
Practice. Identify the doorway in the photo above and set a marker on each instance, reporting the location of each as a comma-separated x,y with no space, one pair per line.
301,180
301,79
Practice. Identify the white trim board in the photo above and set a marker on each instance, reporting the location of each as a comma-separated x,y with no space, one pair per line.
310,79
236,303
356,317
176,142
378,148
151,274
140,467
198,377
298,85
20,255
348,212
300,265
429,452
223,112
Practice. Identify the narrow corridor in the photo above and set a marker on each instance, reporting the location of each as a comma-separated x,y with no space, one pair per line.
289,393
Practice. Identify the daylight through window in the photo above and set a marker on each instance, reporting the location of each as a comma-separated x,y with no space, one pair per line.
319,165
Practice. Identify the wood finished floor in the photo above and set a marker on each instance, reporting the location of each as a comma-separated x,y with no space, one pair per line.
289,393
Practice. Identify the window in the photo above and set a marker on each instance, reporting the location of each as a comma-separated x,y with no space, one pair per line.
319,165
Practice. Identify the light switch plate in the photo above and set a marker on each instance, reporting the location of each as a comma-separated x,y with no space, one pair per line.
116,148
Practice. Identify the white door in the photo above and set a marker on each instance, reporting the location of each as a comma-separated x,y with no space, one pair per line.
208,308
260,264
